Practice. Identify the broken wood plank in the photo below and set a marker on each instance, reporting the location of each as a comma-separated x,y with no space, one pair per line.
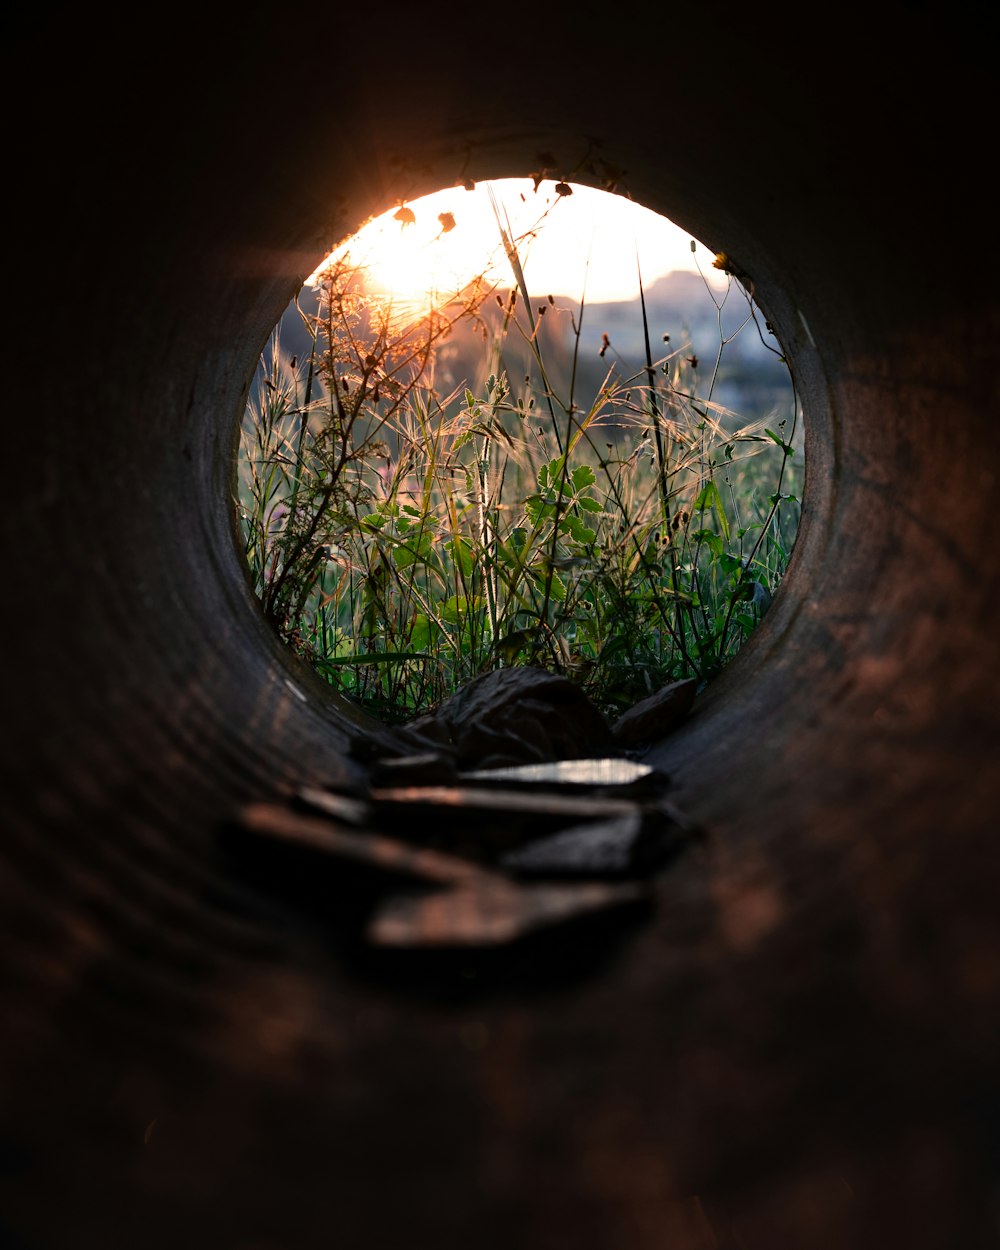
373,849
491,912
479,799
604,773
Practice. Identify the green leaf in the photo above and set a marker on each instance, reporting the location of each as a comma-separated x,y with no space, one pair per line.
557,590
710,539
514,642
417,548
583,476
589,504
462,555
511,551
786,447
459,607
369,657
537,508
550,474
424,632
384,512
709,497
571,524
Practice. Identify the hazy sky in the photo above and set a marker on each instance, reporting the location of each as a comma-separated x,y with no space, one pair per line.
587,237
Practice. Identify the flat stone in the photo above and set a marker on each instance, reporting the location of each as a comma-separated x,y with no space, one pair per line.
492,912
602,849
656,716
523,715
629,845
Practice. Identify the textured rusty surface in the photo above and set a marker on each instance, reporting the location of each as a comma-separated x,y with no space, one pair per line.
800,1049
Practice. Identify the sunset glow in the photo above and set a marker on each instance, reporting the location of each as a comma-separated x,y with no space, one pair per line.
583,243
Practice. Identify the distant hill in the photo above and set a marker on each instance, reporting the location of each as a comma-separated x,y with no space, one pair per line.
752,381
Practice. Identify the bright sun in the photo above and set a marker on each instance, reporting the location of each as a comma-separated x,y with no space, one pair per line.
585,243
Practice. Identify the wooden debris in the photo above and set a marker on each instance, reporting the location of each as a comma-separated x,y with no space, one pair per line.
490,911
340,807
470,906
608,773
466,800
429,768
484,823
388,855
443,857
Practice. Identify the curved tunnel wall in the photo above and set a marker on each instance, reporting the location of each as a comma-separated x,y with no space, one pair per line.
776,1054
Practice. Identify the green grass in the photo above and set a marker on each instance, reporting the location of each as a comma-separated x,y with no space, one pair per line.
404,539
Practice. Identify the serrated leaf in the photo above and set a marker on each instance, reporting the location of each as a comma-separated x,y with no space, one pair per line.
424,632
557,589
581,533
537,508
417,547
456,609
583,476
552,473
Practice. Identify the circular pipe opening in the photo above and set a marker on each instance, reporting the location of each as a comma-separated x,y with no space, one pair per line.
365,548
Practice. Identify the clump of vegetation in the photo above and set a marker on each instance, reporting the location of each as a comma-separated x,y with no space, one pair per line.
404,537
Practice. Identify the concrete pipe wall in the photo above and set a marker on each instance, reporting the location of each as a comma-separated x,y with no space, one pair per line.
799,1048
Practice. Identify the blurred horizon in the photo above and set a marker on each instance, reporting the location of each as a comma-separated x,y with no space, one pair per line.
572,241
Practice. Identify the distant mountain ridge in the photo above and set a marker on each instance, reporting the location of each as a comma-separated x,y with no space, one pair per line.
752,380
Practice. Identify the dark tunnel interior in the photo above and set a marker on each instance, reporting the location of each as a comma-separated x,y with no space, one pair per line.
797,1047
